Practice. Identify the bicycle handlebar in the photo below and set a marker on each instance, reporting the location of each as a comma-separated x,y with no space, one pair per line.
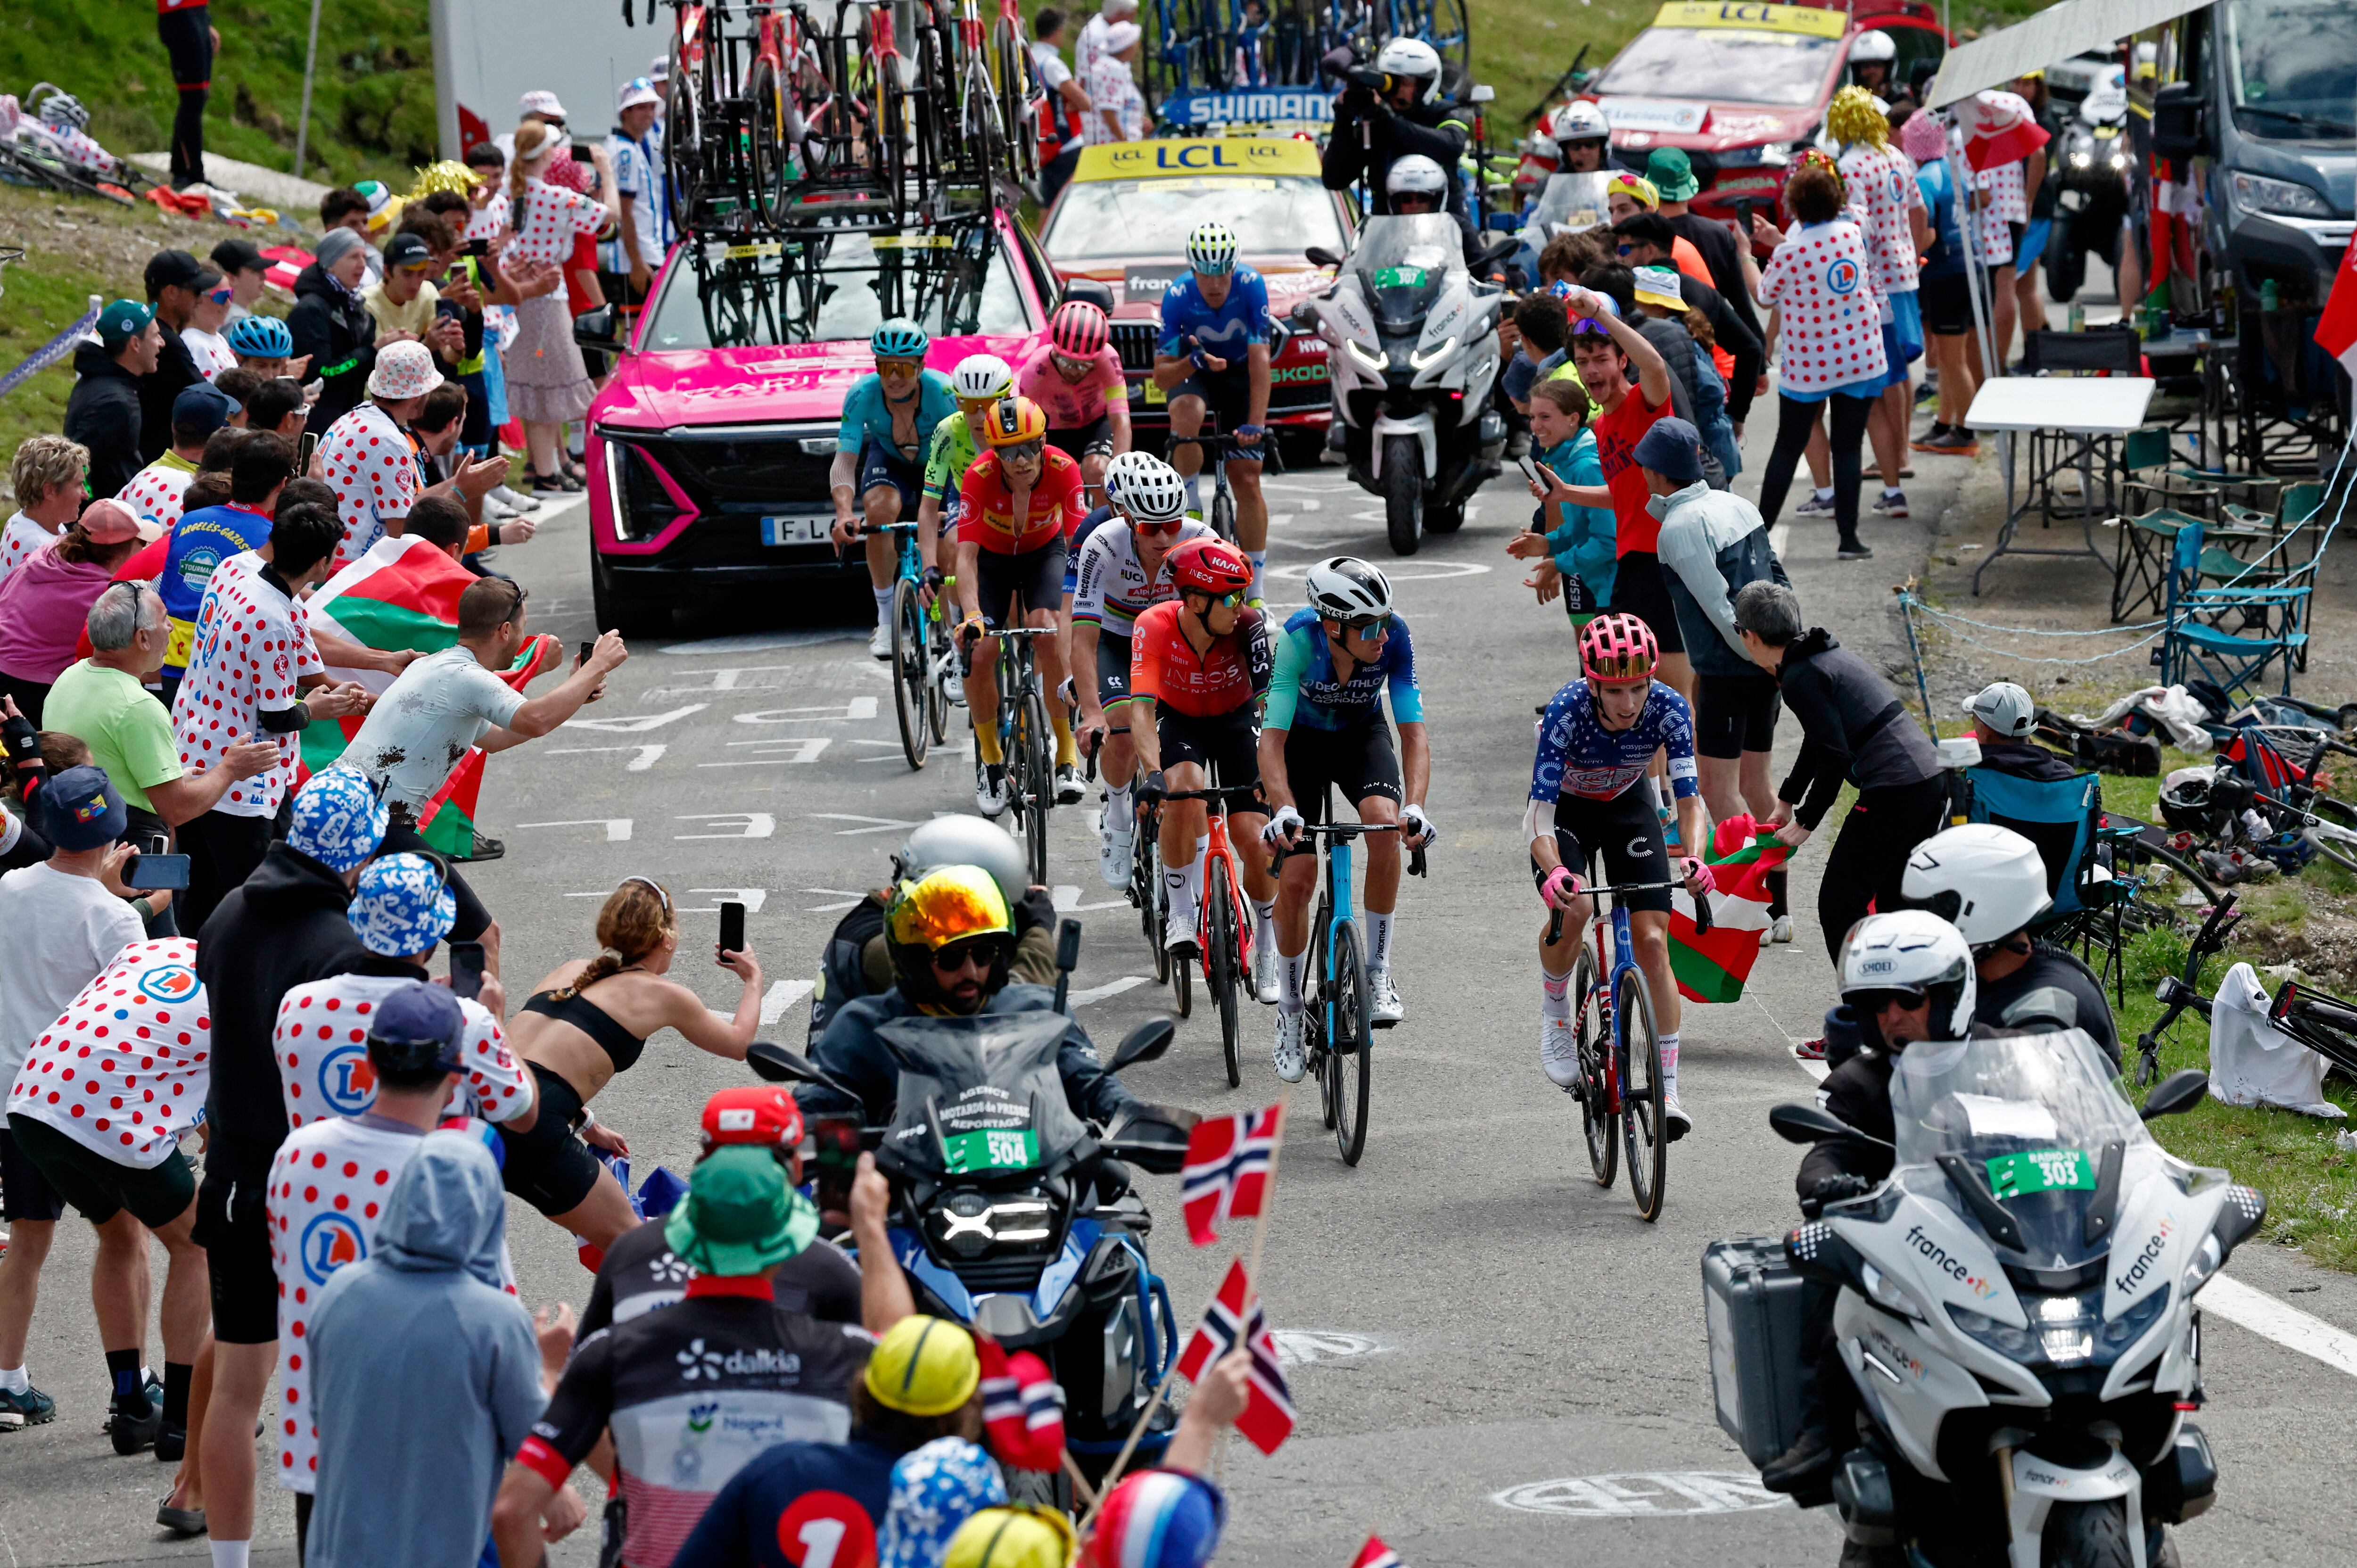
1702,905
1344,832
1216,792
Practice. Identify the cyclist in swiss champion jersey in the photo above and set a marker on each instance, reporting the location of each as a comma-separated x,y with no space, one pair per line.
979,381
1076,378
879,454
1324,729
1595,743
1198,667
1212,360
1018,502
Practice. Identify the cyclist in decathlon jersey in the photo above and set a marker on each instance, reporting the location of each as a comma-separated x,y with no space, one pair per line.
879,455
1075,376
979,381
1596,741
1212,360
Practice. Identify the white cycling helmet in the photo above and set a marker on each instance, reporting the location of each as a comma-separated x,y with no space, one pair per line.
63,109
982,378
964,841
1145,488
1579,121
1212,249
1345,588
1416,174
1411,57
1912,950
1873,46
1986,881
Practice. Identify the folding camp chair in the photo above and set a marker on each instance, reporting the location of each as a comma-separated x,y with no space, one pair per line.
2231,635
2156,479
2140,570
2062,818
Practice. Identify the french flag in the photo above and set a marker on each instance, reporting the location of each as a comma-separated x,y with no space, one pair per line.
1022,1409
1234,1317
1226,1174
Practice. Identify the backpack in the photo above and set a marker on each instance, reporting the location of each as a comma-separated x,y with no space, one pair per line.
841,975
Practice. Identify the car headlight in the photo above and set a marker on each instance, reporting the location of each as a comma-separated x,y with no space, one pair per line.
1423,360
1369,359
2257,193
1884,1293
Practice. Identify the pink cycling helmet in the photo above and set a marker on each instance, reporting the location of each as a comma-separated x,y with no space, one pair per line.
1078,329
1618,648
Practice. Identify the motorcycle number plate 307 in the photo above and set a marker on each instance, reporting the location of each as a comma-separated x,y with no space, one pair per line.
794,530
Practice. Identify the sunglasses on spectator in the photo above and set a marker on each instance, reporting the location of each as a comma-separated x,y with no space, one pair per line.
979,954
1593,326
1871,1003
222,295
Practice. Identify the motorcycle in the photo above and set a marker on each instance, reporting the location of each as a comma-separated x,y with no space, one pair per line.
1413,341
2093,167
2018,1311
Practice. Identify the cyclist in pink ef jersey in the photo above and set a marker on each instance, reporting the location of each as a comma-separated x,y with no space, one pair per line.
1075,378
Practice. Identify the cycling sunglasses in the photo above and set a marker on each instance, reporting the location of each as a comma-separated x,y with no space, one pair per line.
1211,601
1370,630
1593,326
898,367
1069,365
1173,526
1022,451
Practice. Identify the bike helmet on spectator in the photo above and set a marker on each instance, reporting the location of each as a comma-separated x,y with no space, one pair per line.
1158,1519
982,378
1618,648
1012,420
1210,566
1986,881
1411,57
1579,121
946,908
261,338
898,339
1078,329
1915,951
957,840
1416,174
1212,249
1345,588
1145,489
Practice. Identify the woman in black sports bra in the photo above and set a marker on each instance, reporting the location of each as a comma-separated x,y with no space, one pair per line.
589,1020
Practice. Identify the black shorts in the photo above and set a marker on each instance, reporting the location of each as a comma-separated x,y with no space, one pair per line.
1226,746
1226,394
99,1188
25,1190
550,1167
1035,576
1638,590
1358,761
233,1228
1113,669
400,834
1084,439
1736,714
1947,305
881,466
1625,831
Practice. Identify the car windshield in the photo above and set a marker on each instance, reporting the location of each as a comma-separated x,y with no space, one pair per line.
1107,219
2290,64
837,290
1727,65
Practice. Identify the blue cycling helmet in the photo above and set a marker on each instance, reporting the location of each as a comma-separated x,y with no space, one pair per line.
898,339
261,338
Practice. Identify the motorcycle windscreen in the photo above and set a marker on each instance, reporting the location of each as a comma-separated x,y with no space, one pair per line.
1402,260
1570,204
994,1081
2029,1115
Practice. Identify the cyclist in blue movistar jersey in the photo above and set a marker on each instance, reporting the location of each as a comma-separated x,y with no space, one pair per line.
1324,729
1595,743
879,454
1212,358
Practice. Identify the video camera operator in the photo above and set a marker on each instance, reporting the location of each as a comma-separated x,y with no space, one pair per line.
1388,113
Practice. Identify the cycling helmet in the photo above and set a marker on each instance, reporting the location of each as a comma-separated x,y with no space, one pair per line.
1210,567
2188,799
1986,881
948,904
898,339
418,1028
1212,249
1012,420
1411,57
1912,950
259,337
1145,489
62,108
958,840
1345,588
1873,46
1580,122
1618,648
1416,174
1078,329
982,378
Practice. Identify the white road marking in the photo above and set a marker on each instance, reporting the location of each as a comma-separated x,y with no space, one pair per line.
1308,1346
847,896
750,824
644,759
636,723
724,678
763,642
1779,539
617,828
831,713
1111,988
883,824
751,897
1421,571
782,996
2280,1321
1650,1494
802,748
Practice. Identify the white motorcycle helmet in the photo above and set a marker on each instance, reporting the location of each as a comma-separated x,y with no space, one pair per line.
1579,121
1871,46
965,840
1986,881
1411,57
1416,174
1912,950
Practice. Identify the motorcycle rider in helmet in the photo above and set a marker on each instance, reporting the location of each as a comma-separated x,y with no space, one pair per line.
1871,58
1415,184
1374,128
1990,883
1583,138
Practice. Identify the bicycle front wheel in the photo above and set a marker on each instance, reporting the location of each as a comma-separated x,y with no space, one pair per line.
1219,962
1592,1032
1351,1043
2335,834
1641,1092
1223,513
1038,780
911,686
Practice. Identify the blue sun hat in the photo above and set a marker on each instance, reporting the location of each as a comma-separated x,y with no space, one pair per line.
339,818
403,905
935,1490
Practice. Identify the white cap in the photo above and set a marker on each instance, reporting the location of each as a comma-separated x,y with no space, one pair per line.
1119,35
2005,708
660,71
543,103
635,91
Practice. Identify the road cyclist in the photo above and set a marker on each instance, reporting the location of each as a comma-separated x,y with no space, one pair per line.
1211,362
1076,378
978,382
887,428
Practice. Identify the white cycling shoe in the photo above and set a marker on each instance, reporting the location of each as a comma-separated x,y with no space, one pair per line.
880,642
1559,1052
1113,853
1068,788
1267,987
1290,1055
1384,998
991,795
1676,1123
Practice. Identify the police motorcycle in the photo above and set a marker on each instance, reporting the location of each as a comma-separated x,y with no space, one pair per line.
1413,338
2093,167
2017,1310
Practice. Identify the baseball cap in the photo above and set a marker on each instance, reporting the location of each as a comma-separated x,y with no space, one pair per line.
1658,285
541,102
79,810
2005,708
110,523
408,251
418,1027
404,371
121,321
739,1216
1672,174
924,1366
338,819
403,905
637,90
761,1116
201,409
177,269
239,256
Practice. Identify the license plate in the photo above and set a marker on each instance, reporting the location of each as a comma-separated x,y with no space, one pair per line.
992,1150
2042,1170
1154,396
794,530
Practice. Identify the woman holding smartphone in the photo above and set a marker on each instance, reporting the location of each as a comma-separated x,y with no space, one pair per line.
590,1019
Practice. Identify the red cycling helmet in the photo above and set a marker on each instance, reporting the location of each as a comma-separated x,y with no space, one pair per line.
1210,567
1078,329
1618,648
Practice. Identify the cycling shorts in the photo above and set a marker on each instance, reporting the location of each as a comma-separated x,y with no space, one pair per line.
1638,590
1626,831
1035,576
1082,439
1226,394
879,464
1357,761
1225,746
549,1167
1736,714
1947,305
233,1228
1113,669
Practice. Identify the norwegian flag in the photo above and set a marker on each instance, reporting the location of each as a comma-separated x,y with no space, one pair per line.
1022,1409
1226,1175
1375,1554
1234,1317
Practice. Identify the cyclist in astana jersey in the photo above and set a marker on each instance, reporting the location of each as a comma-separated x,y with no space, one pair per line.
1018,502
1199,666
1075,376
1212,358
1595,742
879,455
979,381
1324,729
1123,571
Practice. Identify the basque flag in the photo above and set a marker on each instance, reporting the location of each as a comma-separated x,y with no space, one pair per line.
1226,1175
1022,1408
1234,1316
1375,1554
2336,330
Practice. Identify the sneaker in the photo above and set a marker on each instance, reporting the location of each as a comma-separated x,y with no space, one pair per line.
1806,1464
1559,1052
1890,503
1290,1055
1810,1050
1781,928
1113,853
136,1434
990,795
1957,442
1676,1123
1385,998
514,500
1930,440
1068,788
31,1408
495,513
552,484
879,641
484,847
1815,506
1854,550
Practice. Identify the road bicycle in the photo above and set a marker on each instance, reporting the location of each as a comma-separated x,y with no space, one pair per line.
1620,1077
1026,742
1218,452
924,666
999,96
2177,992
1223,929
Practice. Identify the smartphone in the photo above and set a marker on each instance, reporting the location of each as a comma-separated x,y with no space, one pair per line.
157,872
1531,472
732,927
479,247
311,445
1743,213
587,648
467,969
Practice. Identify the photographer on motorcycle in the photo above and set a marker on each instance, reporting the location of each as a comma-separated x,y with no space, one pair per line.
1389,113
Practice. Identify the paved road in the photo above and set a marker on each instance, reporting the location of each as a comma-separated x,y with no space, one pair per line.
1506,1365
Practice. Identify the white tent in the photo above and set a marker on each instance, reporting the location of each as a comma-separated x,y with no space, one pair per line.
2054,34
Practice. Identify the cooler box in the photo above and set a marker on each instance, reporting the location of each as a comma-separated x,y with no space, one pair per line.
1752,1299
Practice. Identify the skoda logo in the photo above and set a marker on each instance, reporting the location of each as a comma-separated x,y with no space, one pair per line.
330,1241
347,1079
168,983
1842,277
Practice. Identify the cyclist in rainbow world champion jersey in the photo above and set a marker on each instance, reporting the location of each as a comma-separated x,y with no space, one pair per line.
1324,728
1595,743
888,425
1212,358
979,381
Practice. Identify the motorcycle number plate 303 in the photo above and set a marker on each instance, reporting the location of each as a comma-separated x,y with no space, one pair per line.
2042,1170
794,530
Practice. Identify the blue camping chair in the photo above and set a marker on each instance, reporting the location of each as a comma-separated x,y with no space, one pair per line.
2064,818
2231,635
